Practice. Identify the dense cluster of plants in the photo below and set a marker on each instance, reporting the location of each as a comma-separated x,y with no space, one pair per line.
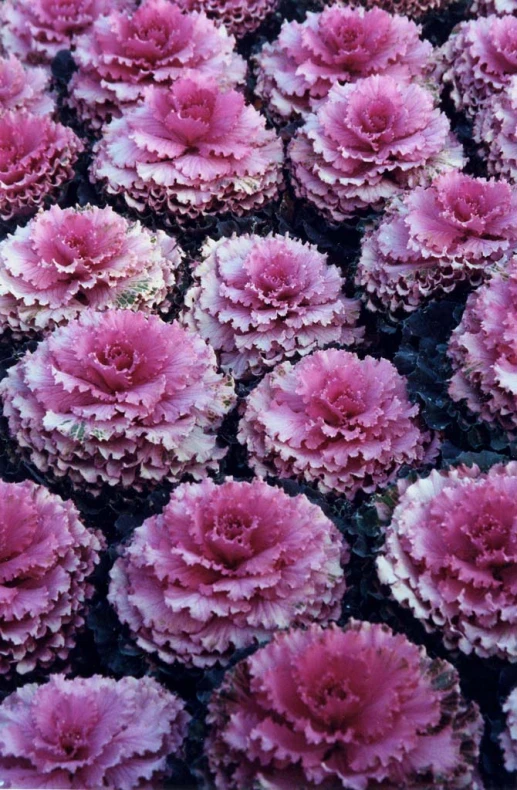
258,379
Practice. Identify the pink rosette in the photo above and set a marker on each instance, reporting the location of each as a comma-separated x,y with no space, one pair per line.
90,733
482,351
36,30
334,421
119,398
479,60
450,556
46,556
435,238
65,261
189,151
260,300
225,566
368,142
37,158
341,44
237,16
331,708
123,54
23,88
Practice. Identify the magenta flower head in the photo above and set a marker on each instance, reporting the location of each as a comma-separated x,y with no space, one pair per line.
37,158
36,30
225,566
46,556
94,732
495,129
190,150
435,238
368,142
123,54
237,16
260,300
480,58
120,398
332,708
333,420
451,553
341,44
65,261
482,351
24,88
508,738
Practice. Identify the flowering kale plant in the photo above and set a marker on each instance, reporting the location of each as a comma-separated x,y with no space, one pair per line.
258,394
